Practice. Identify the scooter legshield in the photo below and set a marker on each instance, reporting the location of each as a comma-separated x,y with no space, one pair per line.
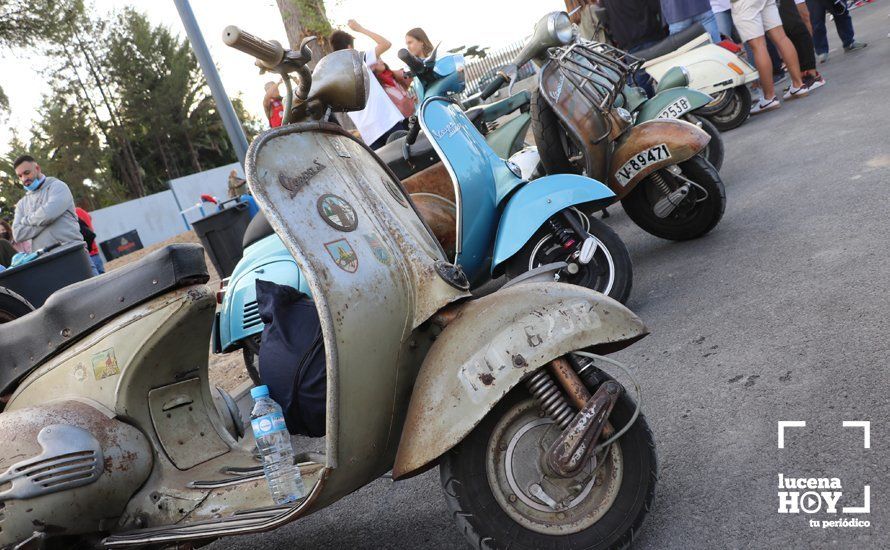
672,103
532,205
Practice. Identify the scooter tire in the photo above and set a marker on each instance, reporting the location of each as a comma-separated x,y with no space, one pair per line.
483,521
640,201
550,137
714,150
736,113
12,306
611,255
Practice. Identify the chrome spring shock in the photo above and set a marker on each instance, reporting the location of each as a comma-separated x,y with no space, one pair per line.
662,185
554,403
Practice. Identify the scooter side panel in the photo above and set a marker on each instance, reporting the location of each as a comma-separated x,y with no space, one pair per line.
671,141
497,109
509,137
672,103
490,347
531,206
469,160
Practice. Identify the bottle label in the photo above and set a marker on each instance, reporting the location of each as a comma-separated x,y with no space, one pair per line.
268,424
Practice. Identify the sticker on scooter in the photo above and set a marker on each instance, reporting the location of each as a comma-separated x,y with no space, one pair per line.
675,109
343,255
394,191
105,364
293,185
337,213
639,162
380,252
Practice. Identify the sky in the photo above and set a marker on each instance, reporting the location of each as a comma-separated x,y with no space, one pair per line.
454,23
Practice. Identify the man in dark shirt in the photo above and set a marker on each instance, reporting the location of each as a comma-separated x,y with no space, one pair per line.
636,25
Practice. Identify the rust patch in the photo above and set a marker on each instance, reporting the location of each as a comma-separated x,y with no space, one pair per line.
486,378
519,361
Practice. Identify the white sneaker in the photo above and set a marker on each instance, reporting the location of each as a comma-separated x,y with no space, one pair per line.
795,93
763,106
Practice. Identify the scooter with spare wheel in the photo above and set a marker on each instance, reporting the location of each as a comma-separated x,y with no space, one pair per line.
114,439
655,168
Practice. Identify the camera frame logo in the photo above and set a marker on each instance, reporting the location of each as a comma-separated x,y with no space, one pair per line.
811,495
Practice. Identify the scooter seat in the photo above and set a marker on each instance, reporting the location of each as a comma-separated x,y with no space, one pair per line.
422,155
77,309
671,43
257,230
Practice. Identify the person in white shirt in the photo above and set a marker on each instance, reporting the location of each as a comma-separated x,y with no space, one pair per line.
380,117
722,13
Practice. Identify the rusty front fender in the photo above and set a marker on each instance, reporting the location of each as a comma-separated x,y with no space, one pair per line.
492,344
682,139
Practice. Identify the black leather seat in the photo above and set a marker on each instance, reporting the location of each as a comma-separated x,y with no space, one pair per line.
82,307
422,156
671,43
258,229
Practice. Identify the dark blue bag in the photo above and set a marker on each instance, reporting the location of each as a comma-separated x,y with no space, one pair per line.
292,358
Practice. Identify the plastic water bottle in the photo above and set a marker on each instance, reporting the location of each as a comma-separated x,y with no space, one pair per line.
273,441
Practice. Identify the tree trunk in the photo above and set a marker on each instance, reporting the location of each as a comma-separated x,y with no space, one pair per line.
304,18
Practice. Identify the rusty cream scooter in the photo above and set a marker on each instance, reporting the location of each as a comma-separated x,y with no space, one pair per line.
113,437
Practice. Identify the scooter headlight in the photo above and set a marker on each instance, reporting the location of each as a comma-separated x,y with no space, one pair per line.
624,115
559,26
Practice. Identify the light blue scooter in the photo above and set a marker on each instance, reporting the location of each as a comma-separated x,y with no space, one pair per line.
497,226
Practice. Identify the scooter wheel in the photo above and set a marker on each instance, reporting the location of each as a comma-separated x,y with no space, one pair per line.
12,306
696,214
714,150
734,114
610,270
251,352
487,476
550,137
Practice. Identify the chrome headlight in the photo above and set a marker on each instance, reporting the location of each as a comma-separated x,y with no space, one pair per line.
624,115
559,26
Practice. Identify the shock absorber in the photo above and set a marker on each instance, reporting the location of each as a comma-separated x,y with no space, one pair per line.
562,234
659,182
548,394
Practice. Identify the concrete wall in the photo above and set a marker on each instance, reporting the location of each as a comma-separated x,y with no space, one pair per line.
188,189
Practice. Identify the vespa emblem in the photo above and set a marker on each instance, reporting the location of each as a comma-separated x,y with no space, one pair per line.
554,94
337,213
293,185
449,130
343,255
379,250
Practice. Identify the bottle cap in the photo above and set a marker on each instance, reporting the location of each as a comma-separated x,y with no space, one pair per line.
259,391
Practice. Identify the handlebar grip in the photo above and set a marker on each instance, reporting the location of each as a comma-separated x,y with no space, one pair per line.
413,130
269,53
415,64
493,86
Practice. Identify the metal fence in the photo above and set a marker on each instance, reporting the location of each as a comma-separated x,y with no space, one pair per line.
479,72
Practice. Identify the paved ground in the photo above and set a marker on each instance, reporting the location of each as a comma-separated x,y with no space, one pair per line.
780,314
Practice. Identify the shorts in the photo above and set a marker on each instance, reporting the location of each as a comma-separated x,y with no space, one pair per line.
753,18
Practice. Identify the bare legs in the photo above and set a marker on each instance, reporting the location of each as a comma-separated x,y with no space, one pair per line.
765,66
789,54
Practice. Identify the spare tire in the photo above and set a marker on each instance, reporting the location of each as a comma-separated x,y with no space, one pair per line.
12,306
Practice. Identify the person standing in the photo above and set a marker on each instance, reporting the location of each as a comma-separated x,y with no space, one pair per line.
380,117
723,15
45,215
803,43
842,22
273,105
754,19
85,222
682,14
635,25
418,43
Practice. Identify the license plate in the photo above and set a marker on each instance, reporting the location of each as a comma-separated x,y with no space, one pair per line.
675,109
640,161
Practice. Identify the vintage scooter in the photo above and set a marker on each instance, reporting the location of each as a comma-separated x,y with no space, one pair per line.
655,167
490,221
113,439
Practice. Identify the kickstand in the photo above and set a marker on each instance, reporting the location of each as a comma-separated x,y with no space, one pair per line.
605,212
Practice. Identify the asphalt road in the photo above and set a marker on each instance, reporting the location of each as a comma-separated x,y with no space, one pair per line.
781,313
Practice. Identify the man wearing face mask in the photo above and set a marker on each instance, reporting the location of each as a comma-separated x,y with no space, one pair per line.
45,215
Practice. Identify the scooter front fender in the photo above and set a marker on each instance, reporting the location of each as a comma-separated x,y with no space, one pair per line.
492,344
672,103
651,146
536,202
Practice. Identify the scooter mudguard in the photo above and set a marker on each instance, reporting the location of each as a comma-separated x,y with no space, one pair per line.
238,319
493,344
532,205
672,103
650,146
677,77
509,137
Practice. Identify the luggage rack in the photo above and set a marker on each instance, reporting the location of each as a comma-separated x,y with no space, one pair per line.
598,72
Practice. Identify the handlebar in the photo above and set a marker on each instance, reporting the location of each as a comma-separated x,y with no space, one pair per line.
494,86
415,64
268,53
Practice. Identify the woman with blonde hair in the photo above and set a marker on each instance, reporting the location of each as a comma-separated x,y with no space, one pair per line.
418,43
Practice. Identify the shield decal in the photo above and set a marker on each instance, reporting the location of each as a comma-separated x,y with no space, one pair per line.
343,255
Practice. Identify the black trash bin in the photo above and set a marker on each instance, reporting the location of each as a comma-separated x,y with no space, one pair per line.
221,234
58,268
